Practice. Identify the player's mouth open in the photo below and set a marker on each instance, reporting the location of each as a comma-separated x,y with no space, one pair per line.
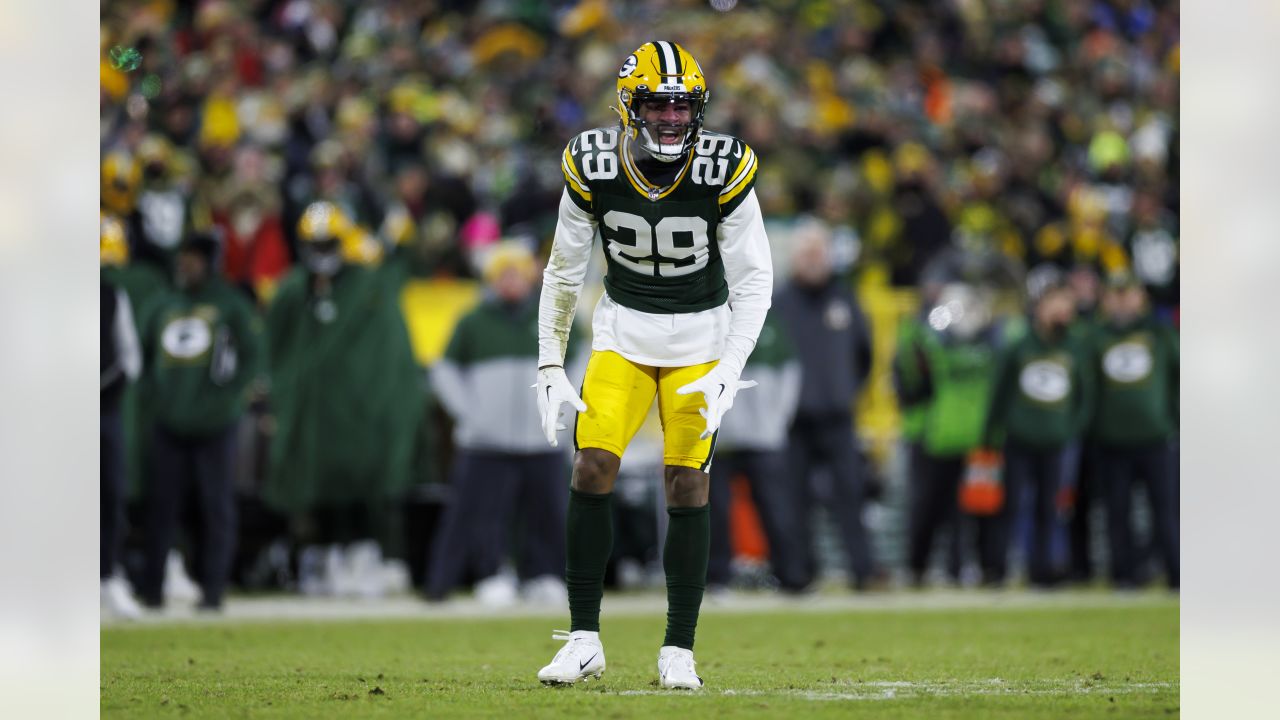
668,136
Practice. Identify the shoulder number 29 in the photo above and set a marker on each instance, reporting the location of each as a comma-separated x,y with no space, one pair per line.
598,161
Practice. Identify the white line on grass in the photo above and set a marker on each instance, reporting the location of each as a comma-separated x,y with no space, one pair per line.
902,689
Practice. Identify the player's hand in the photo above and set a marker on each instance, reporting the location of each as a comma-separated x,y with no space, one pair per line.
553,390
718,388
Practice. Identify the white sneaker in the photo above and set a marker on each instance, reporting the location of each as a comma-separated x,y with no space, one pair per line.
338,578
117,599
581,658
675,668
547,590
497,591
364,562
178,586
395,576
311,571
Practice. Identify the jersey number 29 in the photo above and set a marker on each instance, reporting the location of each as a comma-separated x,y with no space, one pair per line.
681,241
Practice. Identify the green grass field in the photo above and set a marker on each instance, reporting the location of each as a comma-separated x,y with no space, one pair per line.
1116,660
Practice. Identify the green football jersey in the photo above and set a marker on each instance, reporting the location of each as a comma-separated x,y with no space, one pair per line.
660,242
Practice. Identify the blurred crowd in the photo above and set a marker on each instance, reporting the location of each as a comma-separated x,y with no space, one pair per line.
317,156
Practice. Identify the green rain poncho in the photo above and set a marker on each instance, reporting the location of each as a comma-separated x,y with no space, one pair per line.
346,392
144,283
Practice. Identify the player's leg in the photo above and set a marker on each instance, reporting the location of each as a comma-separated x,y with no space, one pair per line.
687,485
618,394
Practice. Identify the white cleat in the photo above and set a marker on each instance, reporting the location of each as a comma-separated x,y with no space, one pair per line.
117,599
675,669
581,658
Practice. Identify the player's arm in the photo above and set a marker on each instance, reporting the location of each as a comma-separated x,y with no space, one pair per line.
561,284
562,280
748,268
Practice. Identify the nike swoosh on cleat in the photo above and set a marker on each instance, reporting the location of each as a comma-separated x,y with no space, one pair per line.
587,662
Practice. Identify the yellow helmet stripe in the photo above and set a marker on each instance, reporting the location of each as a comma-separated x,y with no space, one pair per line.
742,178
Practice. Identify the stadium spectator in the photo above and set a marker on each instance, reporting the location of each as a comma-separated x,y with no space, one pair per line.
346,400
832,341
1136,358
202,348
944,369
1040,402
256,253
1085,285
504,474
120,364
1153,245
753,443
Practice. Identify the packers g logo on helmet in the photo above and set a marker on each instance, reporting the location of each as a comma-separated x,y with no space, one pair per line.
661,70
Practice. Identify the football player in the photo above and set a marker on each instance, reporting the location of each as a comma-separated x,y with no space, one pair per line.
687,288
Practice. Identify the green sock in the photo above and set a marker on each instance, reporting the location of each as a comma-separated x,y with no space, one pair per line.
684,558
589,544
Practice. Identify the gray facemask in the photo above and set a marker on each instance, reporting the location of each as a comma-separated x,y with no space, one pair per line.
322,263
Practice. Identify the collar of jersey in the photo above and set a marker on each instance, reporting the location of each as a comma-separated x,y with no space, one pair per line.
637,180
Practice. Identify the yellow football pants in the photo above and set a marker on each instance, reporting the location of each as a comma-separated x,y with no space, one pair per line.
619,393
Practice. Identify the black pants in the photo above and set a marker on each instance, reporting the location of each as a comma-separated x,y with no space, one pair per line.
935,484
1120,469
935,506
829,441
111,477
491,490
1036,474
770,483
1087,490
181,465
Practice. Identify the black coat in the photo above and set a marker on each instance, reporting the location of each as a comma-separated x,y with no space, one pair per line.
832,340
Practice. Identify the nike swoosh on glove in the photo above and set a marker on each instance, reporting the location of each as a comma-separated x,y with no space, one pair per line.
718,387
554,390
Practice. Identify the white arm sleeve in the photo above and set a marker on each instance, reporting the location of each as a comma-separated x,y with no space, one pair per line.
748,268
127,338
562,280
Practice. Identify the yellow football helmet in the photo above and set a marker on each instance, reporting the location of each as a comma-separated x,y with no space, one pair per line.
327,235
661,70
113,248
322,221
121,175
320,230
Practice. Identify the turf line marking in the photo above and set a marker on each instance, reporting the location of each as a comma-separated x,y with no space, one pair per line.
902,689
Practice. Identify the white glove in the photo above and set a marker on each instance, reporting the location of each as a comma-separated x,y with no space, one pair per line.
718,387
553,390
